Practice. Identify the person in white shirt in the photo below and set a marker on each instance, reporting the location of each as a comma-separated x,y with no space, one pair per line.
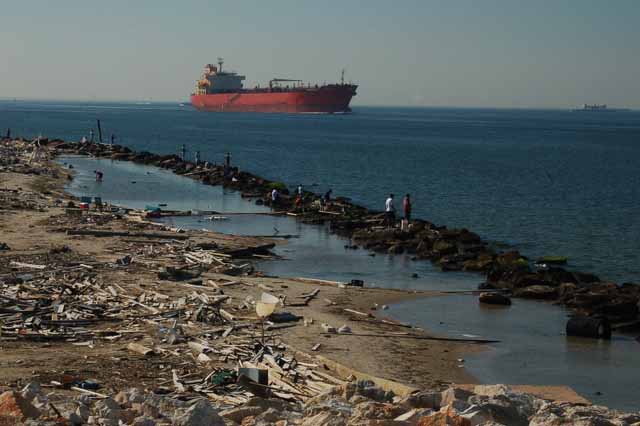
274,196
390,211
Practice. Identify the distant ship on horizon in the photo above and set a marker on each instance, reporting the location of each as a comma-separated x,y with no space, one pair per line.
599,108
223,91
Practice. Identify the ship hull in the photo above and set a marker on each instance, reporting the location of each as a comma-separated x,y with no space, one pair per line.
326,99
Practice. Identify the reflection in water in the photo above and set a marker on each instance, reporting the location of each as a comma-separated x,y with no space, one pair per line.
136,186
533,348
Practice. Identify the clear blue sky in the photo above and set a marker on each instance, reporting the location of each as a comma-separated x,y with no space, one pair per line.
504,53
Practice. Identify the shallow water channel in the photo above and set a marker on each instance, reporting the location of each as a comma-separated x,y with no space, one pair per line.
533,348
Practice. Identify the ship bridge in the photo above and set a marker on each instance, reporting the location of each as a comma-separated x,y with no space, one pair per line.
215,80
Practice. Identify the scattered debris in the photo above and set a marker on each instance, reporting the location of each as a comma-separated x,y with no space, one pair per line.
345,329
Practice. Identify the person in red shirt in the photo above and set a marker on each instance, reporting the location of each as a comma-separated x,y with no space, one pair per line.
406,207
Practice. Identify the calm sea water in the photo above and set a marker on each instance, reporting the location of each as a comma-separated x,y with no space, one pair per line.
546,182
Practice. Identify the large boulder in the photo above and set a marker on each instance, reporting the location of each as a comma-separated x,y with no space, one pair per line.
583,278
376,410
447,416
423,399
14,408
201,413
326,418
481,263
566,291
558,275
452,394
528,280
499,404
575,415
237,414
494,299
364,388
542,292
624,308
507,276
510,259
444,247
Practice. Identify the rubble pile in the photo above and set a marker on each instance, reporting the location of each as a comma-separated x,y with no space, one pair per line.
354,403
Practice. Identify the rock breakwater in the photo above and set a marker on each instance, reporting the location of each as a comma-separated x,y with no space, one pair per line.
449,249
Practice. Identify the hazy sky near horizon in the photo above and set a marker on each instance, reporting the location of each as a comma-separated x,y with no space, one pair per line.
502,53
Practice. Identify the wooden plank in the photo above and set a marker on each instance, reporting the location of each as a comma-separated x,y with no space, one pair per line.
227,315
26,265
88,392
138,348
353,311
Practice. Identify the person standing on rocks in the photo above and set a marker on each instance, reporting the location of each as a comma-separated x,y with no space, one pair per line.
227,166
390,211
325,200
406,210
327,196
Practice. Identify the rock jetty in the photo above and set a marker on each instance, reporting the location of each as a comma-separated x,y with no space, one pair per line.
449,249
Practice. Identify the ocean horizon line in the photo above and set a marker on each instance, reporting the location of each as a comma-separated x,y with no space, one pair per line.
372,106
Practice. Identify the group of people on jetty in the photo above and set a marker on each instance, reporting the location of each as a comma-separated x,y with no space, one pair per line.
325,202
390,212
390,219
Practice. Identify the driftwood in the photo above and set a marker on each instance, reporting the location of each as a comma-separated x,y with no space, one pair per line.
26,265
105,233
362,314
306,298
416,337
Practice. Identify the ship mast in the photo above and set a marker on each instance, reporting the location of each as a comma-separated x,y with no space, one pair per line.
342,77
220,62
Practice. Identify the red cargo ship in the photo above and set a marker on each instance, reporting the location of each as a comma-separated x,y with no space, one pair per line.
220,90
